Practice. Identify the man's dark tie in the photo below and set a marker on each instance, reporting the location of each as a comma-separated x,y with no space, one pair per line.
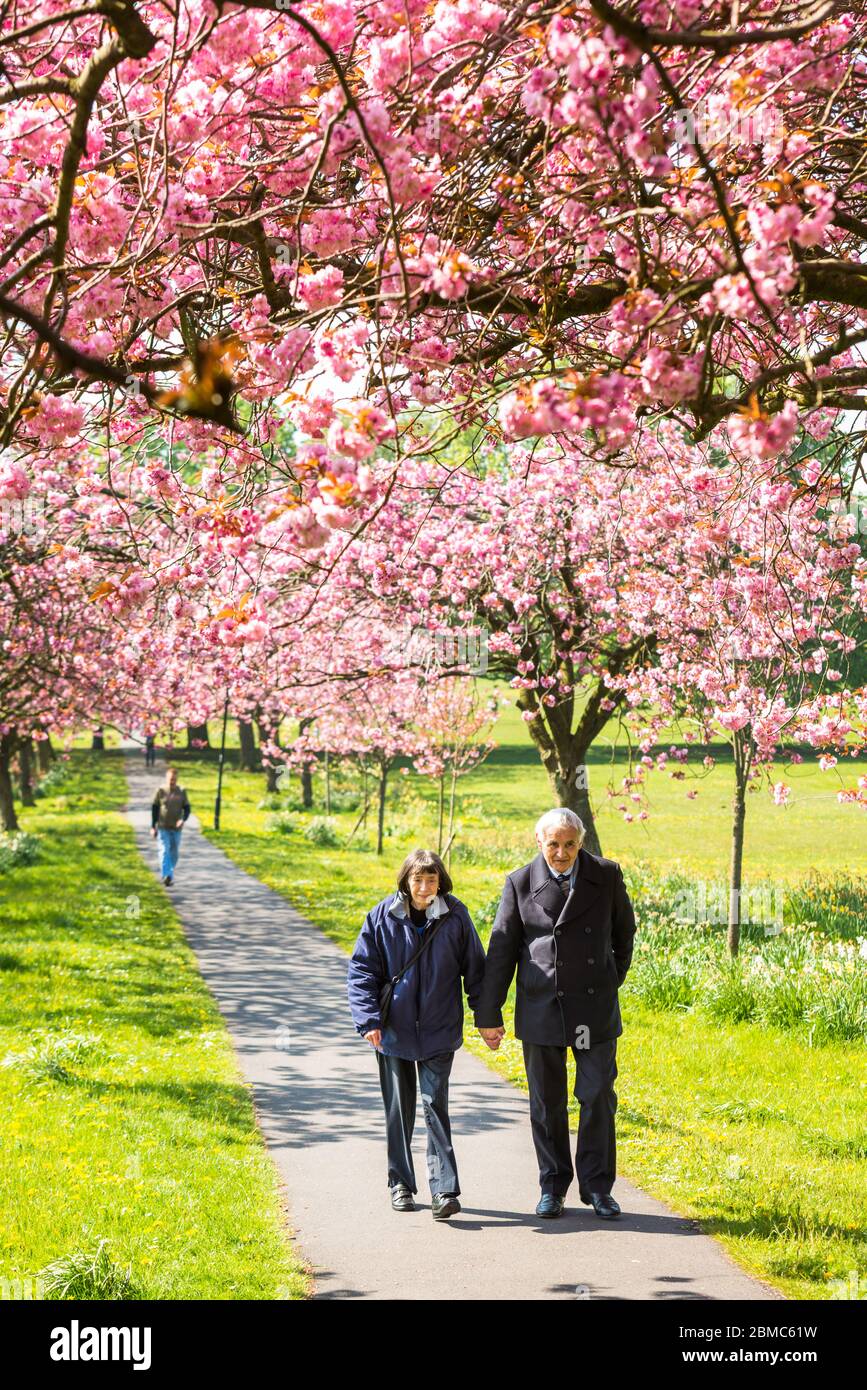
563,883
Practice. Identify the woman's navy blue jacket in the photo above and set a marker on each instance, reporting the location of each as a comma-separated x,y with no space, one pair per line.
427,1011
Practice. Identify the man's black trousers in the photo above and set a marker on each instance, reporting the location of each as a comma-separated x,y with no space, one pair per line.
596,1154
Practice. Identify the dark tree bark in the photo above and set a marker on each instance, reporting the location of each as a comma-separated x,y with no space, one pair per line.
564,750
7,796
198,731
266,736
380,817
742,746
564,758
365,796
25,772
307,769
247,739
45,754
441,812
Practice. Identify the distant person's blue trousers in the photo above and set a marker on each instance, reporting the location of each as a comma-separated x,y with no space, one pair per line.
170,841
397,1080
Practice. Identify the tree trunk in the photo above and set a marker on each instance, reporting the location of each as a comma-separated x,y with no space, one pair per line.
327,784
451,836
563,748
45,754
380,820
739,813
7,797
307,769
265,736
563,753
247,740
441,812
571,791
198,731
25,772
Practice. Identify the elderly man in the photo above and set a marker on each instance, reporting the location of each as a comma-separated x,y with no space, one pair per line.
566,922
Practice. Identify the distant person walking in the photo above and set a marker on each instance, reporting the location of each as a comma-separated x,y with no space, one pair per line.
150,750
169,810
98,739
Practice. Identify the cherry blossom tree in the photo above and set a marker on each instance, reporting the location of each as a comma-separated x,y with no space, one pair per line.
376,719
452,721
570,596
766,627
610,595
454,311
544,218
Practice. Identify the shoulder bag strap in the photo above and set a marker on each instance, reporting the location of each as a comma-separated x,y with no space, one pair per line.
421,950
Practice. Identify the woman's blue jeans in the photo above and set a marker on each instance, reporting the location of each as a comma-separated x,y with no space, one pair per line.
397,1079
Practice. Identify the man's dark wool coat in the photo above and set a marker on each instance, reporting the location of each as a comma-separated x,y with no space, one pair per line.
572,953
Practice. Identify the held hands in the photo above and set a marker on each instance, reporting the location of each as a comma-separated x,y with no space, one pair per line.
154,832
492,1036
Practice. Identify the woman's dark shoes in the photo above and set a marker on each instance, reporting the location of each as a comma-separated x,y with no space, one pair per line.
603,1204
401,1198
550,1204
443,1205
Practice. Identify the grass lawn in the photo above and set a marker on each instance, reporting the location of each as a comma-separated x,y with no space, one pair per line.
751,1130
123,1114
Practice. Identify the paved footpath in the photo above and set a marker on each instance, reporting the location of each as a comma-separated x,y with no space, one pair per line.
281,987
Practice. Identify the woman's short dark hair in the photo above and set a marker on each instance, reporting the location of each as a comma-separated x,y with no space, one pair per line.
426,861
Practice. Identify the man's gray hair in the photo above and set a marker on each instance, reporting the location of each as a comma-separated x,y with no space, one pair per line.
561,815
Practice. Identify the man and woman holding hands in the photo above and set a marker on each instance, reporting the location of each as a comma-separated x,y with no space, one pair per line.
566,924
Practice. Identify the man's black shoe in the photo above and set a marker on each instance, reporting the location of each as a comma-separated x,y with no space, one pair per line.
603,1204
443,1205
401,1198
550,1204
169,881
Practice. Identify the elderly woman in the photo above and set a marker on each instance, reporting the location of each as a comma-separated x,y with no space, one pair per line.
415,946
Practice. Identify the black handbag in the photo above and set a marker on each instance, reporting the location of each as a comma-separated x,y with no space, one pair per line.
387,990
